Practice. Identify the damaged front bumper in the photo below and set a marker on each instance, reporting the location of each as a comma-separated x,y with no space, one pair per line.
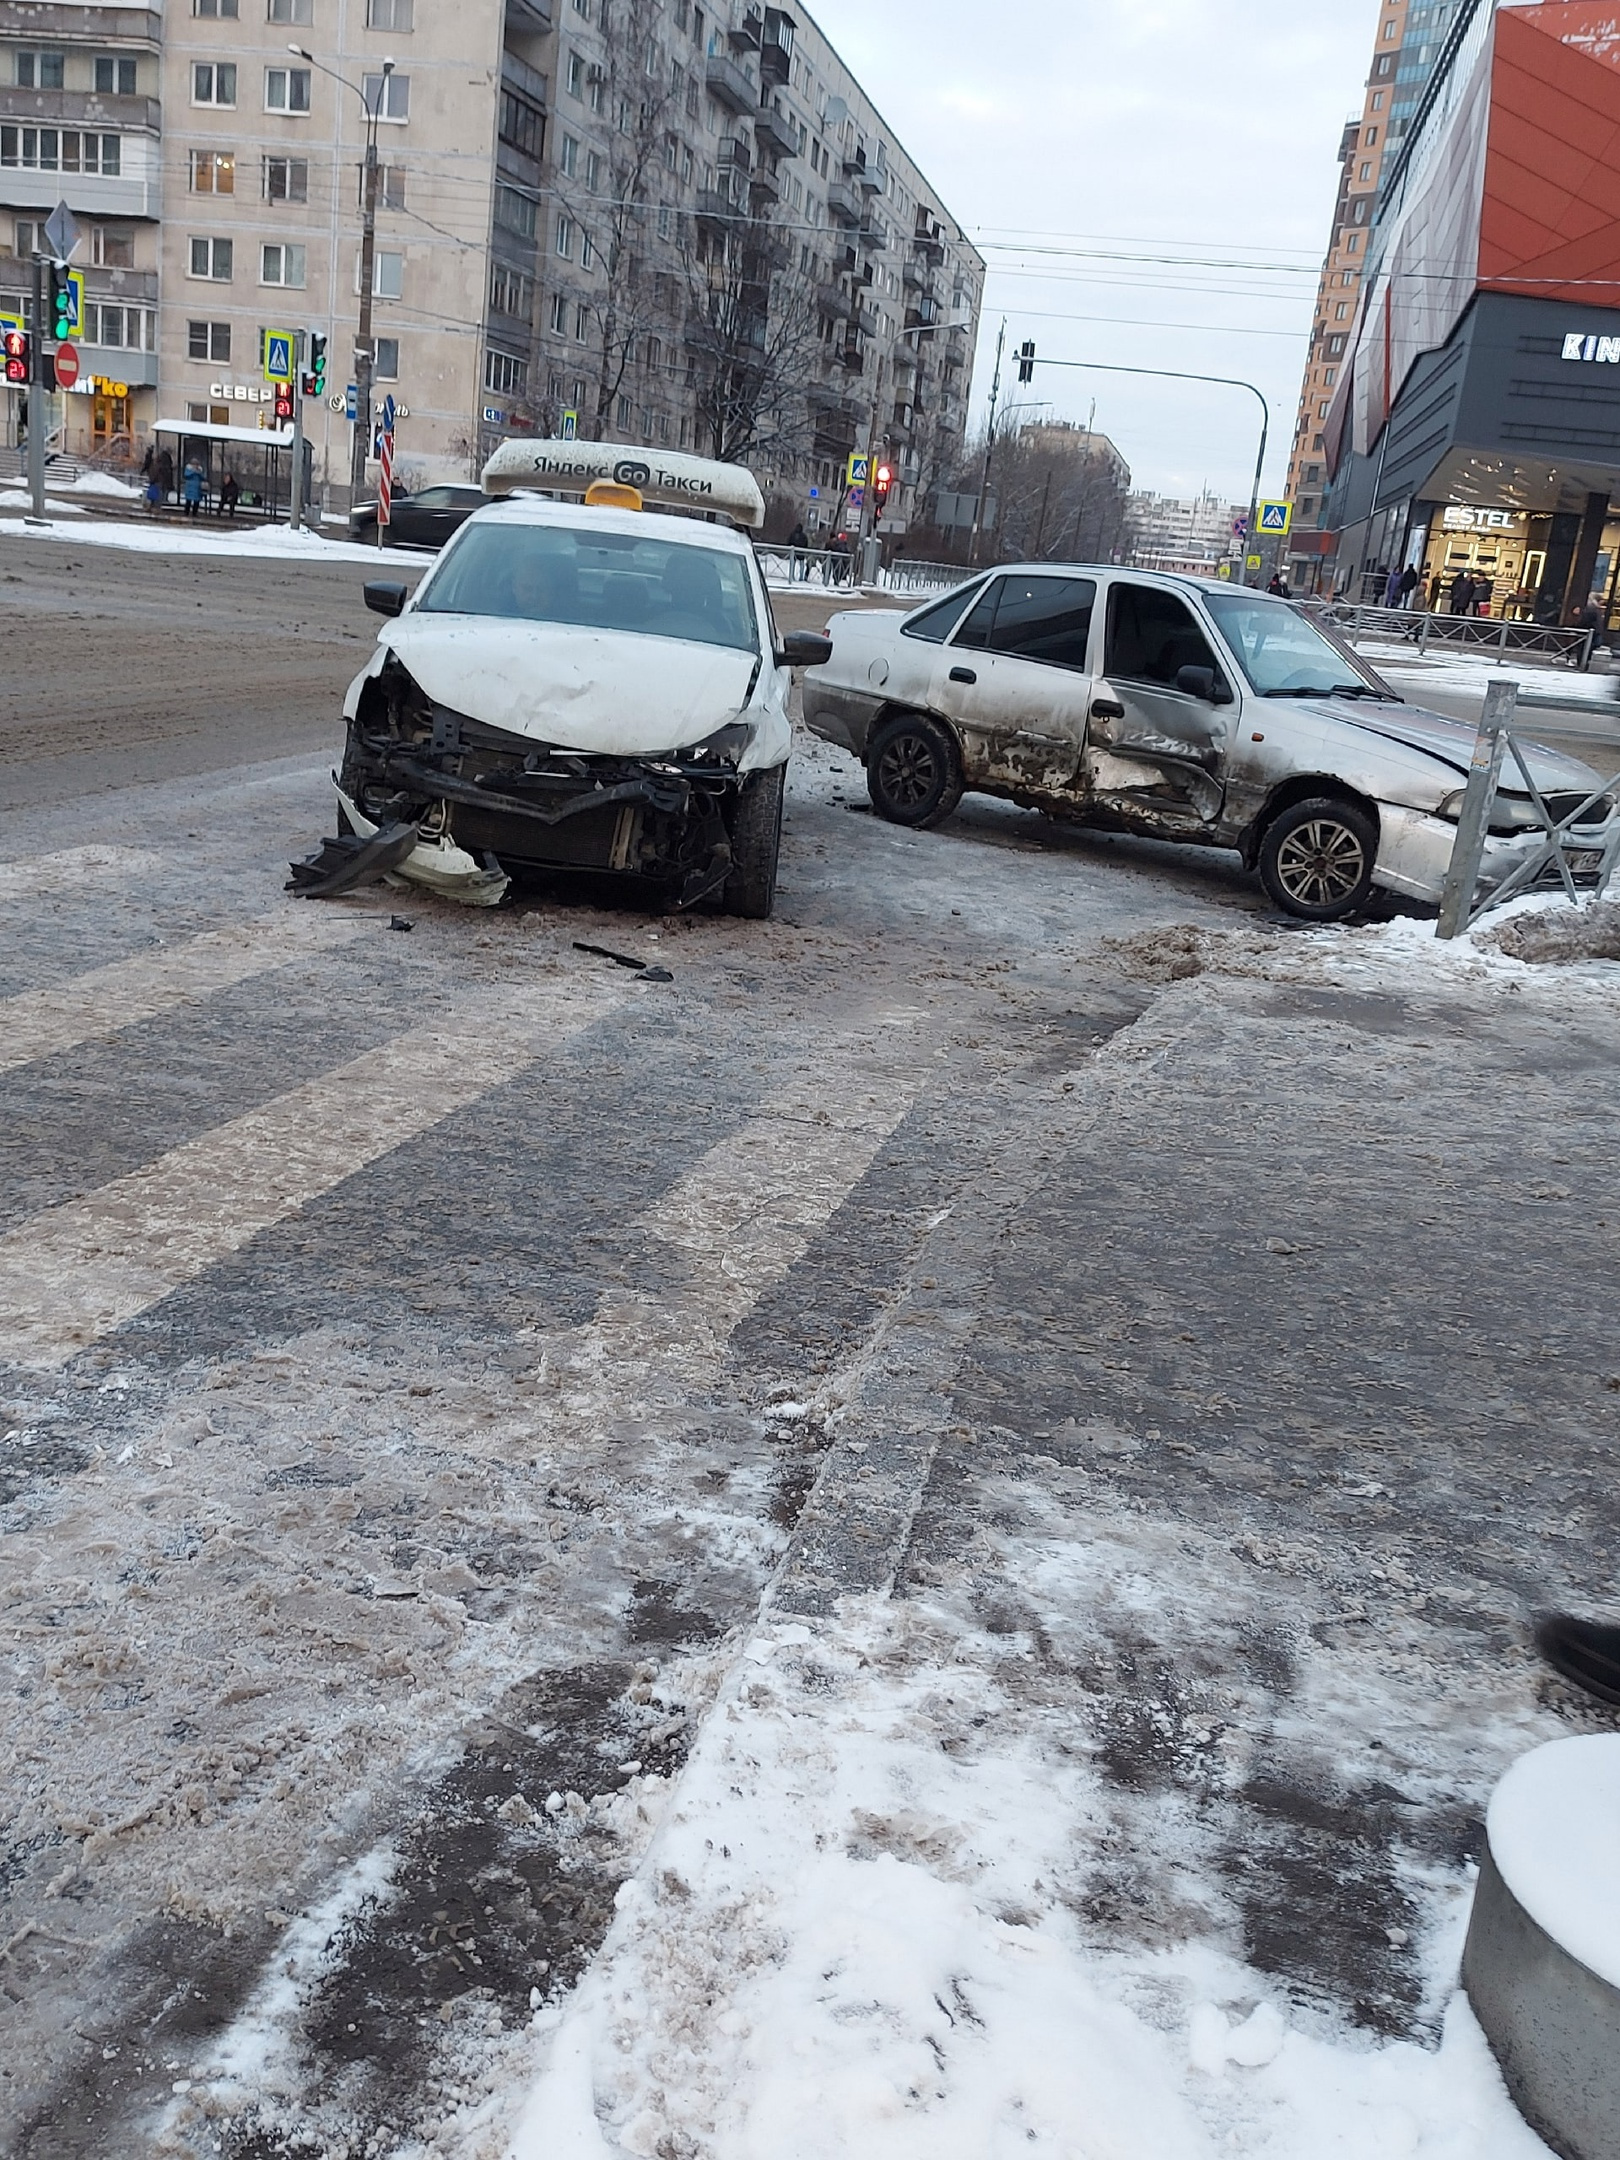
1414,853
488,805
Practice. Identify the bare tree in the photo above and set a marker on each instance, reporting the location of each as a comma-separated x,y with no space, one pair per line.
752,333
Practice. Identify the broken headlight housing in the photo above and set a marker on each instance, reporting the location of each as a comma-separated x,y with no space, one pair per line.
1512,814
724,747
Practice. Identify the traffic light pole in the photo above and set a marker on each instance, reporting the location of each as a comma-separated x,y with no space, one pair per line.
295,492
36,395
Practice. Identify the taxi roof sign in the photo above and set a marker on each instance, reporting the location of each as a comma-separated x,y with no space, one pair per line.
669,478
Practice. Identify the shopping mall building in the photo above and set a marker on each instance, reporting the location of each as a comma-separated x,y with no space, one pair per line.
1476,423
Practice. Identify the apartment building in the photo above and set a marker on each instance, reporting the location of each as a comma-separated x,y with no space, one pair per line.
81,122
643,218
1164,532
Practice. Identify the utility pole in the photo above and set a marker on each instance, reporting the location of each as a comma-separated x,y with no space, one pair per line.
869,494
36,394
364,350
295,494
989,445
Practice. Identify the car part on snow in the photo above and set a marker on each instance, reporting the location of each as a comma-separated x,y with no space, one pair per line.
1541,1965
400,922
643,968
438,864
349,860
1317,858
913,770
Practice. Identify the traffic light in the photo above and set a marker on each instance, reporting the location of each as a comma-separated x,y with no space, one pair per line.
64,302
284,401
1026,361
315,378
882,481
16,348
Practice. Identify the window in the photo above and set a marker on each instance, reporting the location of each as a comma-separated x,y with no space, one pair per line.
1372,137
579,394
280,263
666,221
1037,618
505,373
587,252
291,11
625,413
522,125
593,172
130,329
559,313
25,237
390,186
1366,169
40,70
565,239
115,76
212,9
211,259
516,212
213,83
41,149
286,179
582,322
112,247
208,340
286,90
1341,311
1152,636
388,96
213,172
390,14
510,292
583,7
385,367
574,75
387,275
568,156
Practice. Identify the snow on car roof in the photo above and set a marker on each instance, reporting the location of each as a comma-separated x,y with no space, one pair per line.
671,477
636,524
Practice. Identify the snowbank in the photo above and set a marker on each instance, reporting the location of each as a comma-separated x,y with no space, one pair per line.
20,499
166,537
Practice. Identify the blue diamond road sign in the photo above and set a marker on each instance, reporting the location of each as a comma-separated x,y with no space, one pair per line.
388,412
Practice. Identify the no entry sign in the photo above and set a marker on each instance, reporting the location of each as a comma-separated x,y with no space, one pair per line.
67,366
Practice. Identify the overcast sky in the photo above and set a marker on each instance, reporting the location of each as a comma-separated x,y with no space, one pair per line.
1202,128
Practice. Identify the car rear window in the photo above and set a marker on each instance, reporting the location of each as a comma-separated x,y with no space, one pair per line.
935,624
595,581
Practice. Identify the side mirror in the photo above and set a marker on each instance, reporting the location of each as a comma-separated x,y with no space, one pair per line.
1198,682
805,648
386,599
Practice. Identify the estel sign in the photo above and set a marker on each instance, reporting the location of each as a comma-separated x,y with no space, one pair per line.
1579,347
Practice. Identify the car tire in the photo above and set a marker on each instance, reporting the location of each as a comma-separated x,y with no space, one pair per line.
1317,857
913,770
756,843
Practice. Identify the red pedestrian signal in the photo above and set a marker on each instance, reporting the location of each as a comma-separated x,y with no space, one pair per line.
16,349
284,401
883,480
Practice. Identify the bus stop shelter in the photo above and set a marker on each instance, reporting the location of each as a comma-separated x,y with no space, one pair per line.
260,458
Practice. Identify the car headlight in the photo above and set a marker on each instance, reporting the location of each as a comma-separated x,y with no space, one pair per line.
724,747
1509,813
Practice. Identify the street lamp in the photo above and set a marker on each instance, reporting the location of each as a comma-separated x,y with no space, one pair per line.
363,350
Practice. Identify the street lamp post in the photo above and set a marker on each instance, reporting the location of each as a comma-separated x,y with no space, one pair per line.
1230,382
364,351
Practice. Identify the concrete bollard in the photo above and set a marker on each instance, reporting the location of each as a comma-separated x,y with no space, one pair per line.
1542,1960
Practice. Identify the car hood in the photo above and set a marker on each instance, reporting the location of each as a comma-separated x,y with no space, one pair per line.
616,693
1452,742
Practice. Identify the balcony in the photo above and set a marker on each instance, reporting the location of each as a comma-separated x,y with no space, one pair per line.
528,82
529,18
716,208
867,322
776,132
855,162
916,276
764,189
745,36
776,46
852,357
929,245
842,204
83,109
873,237
855,267
833,302
80,25
736,155
924,316
731,85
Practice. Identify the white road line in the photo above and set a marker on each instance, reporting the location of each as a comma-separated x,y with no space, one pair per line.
74,866
76,1272
40,1023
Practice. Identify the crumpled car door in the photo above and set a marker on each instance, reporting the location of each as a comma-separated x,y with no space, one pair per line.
1156,753
1015,680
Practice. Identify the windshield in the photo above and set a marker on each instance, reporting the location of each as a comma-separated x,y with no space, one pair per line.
597,581
1284,654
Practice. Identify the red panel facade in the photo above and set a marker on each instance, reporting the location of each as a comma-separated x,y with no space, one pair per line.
1550,219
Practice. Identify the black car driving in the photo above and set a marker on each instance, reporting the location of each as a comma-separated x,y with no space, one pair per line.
426,519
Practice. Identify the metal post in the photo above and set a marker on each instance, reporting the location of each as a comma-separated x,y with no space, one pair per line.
989,445
36,396
1250,536
1484,772
295,495
363,350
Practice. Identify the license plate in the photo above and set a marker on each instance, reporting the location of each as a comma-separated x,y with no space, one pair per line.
1584,862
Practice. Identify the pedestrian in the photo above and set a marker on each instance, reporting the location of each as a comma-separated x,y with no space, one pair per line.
165,473
154,493
191,487
1586,1652
1483,589
1392,589
1462,592
1276,586
229,496
149,464
1437,591
1590,617
798,538
1410,581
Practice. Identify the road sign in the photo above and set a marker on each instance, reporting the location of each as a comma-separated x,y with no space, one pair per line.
350,402
385,480
62,233
493,416
67,367
390,413
278,356
860,468
570,427
1252,562
856,499
1276,520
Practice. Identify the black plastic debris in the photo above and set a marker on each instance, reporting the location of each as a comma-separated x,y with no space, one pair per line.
347,861
400,922
643,968
656,974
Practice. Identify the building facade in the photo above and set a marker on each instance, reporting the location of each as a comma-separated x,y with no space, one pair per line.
1194,537
1476,425
642,218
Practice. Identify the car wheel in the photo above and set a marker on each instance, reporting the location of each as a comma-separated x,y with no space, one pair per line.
1317,857
756,842
913,770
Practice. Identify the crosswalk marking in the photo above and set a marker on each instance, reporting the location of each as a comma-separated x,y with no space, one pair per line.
66,868
74,1273
41,1023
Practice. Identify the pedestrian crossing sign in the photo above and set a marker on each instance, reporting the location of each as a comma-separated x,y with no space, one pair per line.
1276,520
860,470
278,356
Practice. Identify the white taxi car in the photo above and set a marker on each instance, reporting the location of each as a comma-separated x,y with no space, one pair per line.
582,685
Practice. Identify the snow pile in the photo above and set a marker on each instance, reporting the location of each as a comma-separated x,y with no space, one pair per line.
1555,1837
188,537
20,499
857,1933
100,483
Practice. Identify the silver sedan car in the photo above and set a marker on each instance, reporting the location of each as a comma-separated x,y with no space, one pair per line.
1182,708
